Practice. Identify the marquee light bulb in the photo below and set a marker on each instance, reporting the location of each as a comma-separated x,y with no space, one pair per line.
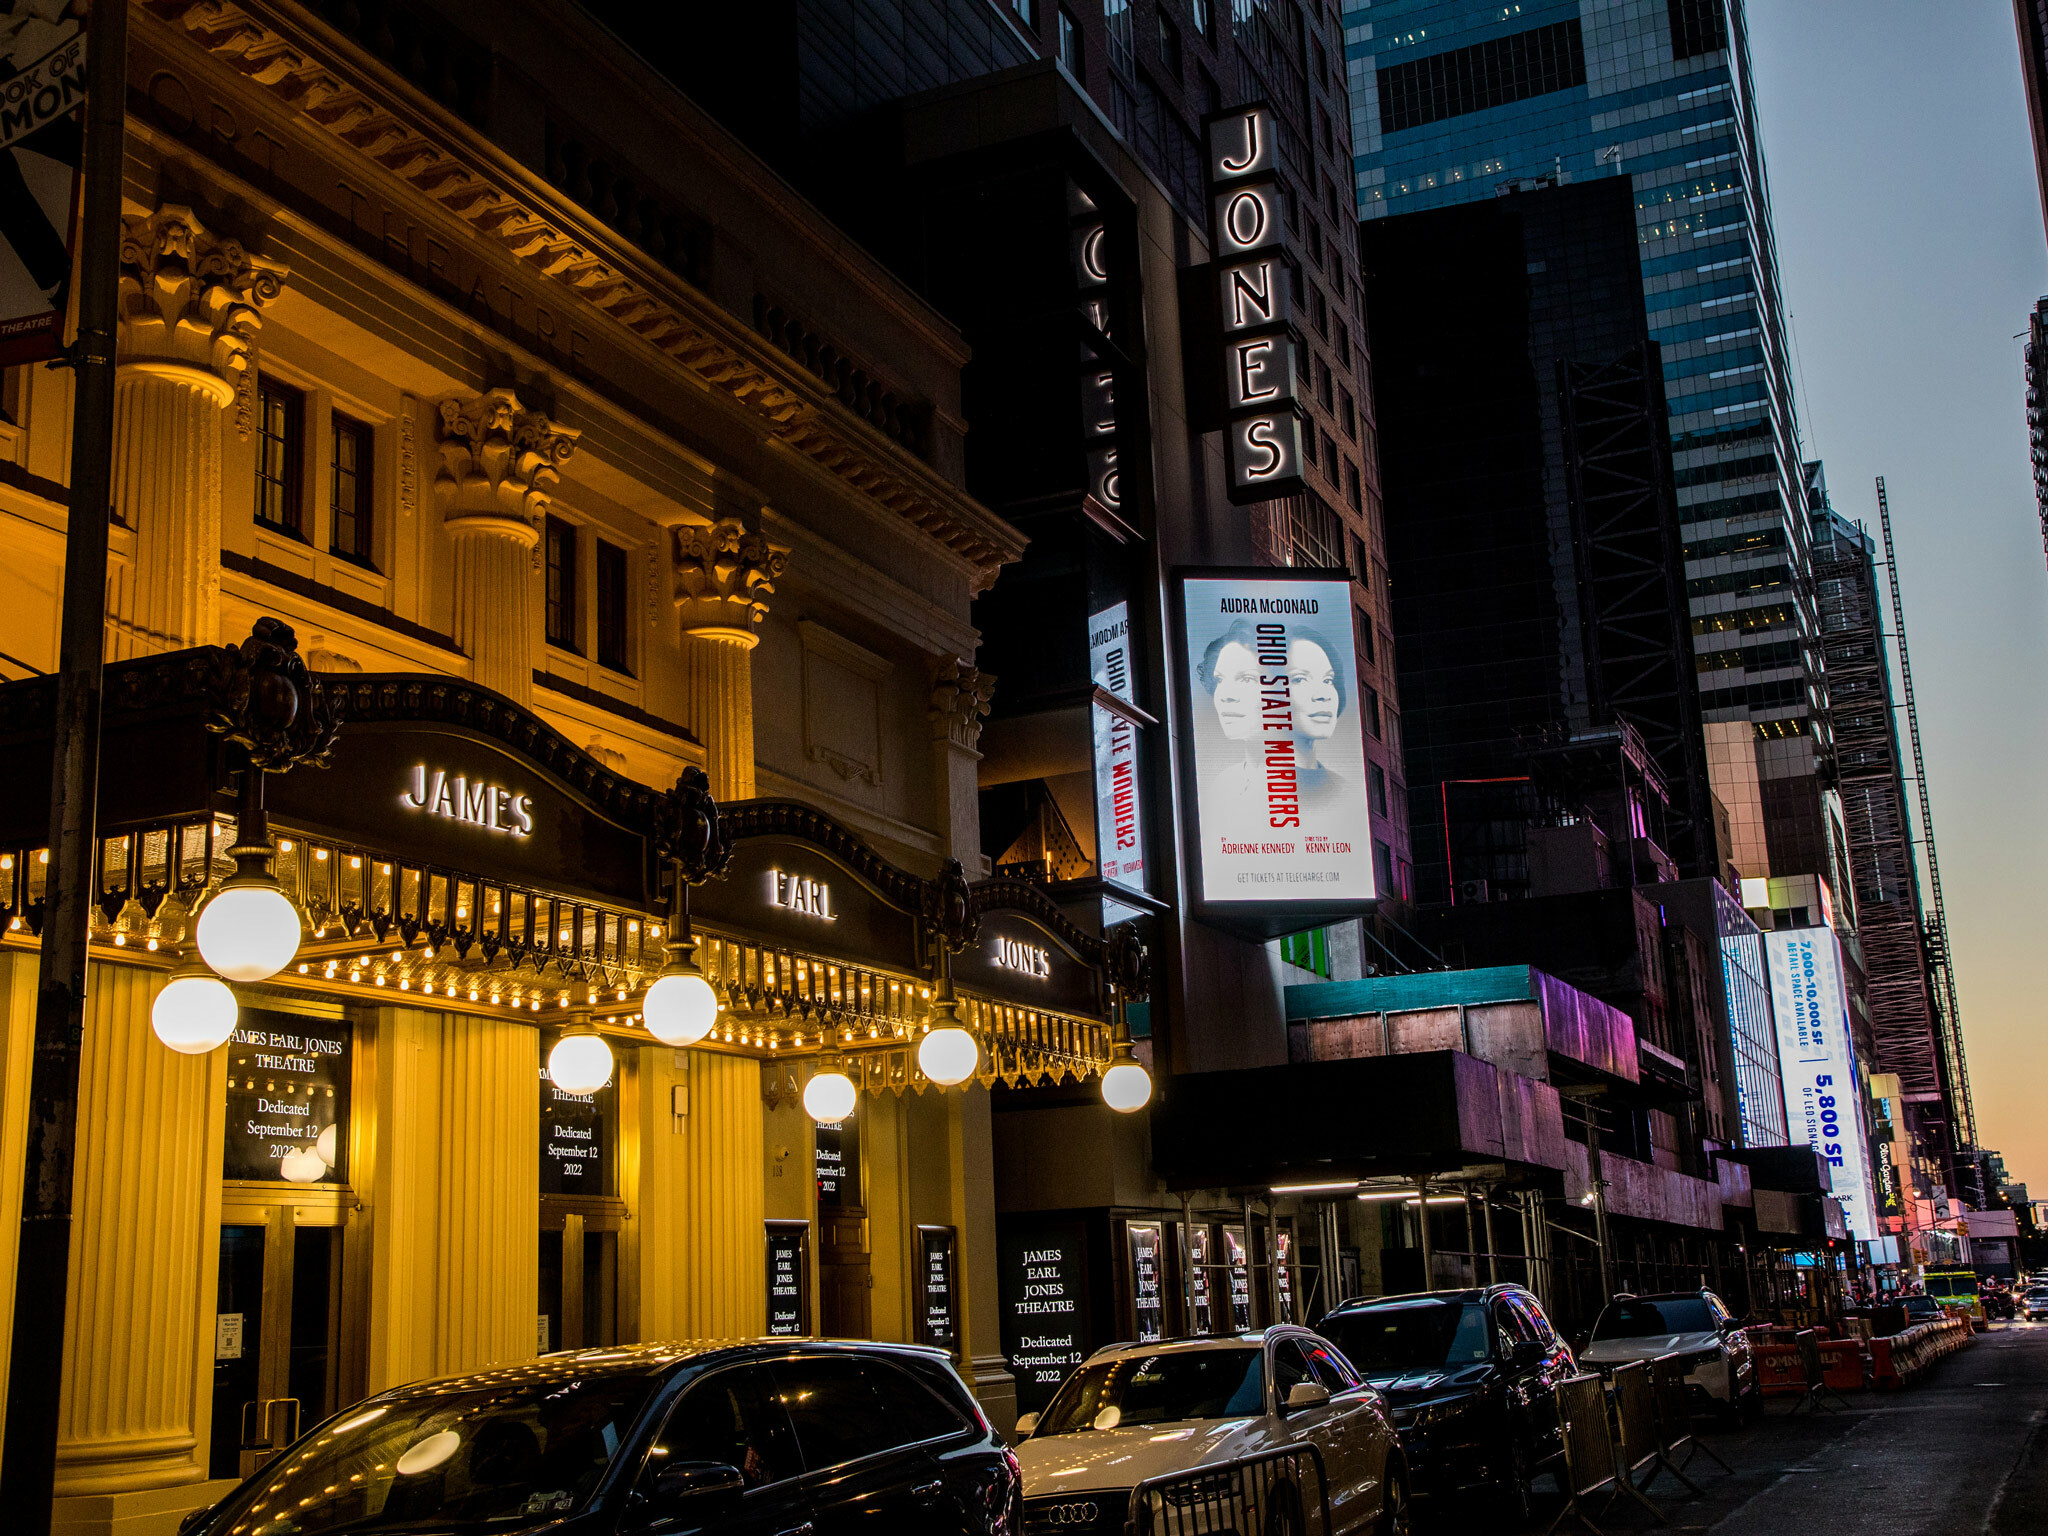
580,1064
1126,1087
249,932
948,1055
829,1097
194,1014
680,1008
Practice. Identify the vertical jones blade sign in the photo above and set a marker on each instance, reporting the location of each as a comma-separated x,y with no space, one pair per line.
42,135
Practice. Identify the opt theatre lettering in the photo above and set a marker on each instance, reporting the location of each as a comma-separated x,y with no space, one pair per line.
456,797
1249,237
287,1099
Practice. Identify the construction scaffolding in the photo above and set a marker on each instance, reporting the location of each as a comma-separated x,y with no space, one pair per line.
1890,918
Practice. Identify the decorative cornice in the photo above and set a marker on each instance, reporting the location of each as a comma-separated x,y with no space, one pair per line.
787,818
724,577
406,696
1006,895
191,300
500,463
344,92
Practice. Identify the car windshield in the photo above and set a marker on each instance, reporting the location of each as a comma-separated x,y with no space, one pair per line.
1421,1335
1952,1287
499,1458
1159,1389
1922,1304
1641,1319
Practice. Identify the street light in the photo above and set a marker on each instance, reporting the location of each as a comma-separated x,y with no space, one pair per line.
681,1007
580,1063
947,1054
249,930
195,1012
1126,1086
829,1097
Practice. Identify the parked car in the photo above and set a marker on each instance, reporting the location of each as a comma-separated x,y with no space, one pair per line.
1137,1411
1695,1325
743,1440
1472,1377
1922,1309
2033,1303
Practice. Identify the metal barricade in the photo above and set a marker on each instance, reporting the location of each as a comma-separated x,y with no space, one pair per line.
1676,1441
1588,1448
1635,1437
1275,1493
1817,1393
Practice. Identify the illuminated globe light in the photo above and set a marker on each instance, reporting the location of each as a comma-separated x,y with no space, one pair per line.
194,1014
948,1055
580,1064
680,1008
829,1097
328,1147
303,1165
1126,1086
249,932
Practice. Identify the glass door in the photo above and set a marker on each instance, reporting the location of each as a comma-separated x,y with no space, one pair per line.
277,1335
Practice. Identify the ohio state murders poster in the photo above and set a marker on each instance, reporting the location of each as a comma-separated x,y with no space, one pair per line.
42,130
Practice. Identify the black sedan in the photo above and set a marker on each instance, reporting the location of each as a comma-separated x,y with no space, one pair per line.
1472,1377
745,1440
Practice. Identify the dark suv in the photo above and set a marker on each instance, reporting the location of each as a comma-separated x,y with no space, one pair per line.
745,1440
1472,1378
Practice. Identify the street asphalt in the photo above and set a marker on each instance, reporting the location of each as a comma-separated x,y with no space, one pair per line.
1963,1452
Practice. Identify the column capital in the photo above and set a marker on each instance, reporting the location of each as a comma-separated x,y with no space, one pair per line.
191,301
724,576
961,697
500,464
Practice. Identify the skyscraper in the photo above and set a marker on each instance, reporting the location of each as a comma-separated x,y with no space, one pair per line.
1456,101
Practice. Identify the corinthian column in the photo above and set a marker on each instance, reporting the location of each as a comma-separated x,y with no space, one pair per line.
724,577
500,464
190,310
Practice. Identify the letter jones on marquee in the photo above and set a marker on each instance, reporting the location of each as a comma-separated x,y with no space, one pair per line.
1249,239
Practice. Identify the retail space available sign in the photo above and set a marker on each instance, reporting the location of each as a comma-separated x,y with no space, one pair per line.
1276,754
1248,234
287,1099
1119,807
1045,1309
575,1134
1823,1102
42,139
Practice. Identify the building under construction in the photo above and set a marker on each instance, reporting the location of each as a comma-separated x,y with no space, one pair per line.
1898,923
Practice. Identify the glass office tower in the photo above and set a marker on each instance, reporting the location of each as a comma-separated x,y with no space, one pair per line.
1458,100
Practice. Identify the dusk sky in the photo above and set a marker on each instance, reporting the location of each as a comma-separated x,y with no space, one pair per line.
1910,233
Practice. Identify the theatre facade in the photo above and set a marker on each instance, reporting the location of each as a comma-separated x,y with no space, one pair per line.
597,509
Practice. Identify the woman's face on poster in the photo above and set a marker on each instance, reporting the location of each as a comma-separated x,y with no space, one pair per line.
1237,691
1312,684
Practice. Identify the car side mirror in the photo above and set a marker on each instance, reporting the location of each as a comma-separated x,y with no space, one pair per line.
696,1480
1527,1352
1306,1394
1026,1422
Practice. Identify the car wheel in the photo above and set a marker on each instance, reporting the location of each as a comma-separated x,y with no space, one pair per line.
1283,1513
1396,1514
1511,1485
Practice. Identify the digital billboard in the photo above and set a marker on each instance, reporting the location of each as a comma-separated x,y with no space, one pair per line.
1275,760
1823,1102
